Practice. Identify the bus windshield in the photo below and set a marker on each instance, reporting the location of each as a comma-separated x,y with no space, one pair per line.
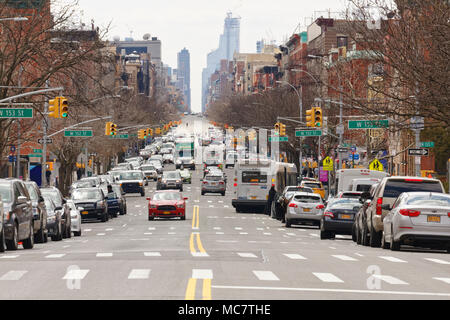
254,177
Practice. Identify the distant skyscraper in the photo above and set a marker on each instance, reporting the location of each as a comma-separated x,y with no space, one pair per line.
229,44
184,72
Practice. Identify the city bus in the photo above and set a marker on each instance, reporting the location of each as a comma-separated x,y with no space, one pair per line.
254,178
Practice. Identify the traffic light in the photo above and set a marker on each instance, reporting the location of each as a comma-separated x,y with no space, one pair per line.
113,129
108,128
63,107
310,118
141,134
53,108
282,129
318,117
277,127
158,130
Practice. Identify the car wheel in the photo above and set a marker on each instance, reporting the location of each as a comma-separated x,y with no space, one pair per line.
13,244
384,244
375,238
59,236
183,218
105,217
142,194
365,236
40,235
69,232
288,223
223,194
325,235
395,245
358,236
77,233
204,194
29,242
151,218
2,241
354,233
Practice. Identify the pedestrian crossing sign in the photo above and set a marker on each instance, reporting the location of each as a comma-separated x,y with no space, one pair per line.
328,164
376,165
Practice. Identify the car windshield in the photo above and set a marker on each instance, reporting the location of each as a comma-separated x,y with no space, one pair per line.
429,200
171,175
83,194
32,191
49,204
131,176
148,168
213,178
5,192
167,196
54,195
307,199
394,188
363,187
345,205
85,184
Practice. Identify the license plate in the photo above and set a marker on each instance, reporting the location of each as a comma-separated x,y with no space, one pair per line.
214,184
306,210
253,198
167,212
434,219
345,216
84,212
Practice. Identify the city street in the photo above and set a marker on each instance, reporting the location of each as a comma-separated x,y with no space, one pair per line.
216,254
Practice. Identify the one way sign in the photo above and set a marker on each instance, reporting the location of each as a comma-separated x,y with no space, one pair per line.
418,152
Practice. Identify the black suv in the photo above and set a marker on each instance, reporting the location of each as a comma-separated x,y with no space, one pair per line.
39,212
61,206
93,202
18,221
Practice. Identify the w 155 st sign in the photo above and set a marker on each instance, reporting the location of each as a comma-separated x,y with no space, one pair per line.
16,113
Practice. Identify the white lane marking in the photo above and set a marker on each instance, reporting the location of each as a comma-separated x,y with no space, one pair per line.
220,201
124,225
220,233
197,201
199,254
211,206
327,277
138,206
267,234
359,254
152,254
295,256
260,229
139,274
217,228
75,274
171,233
55,256
87,230
13,275
202,274
252,241
446,280
266,275
147,233
344,258
66,246
104,254
226,206
389,279
237,228
243,232
246,255
333,248
437,261
101,234
209,201
151,228
9,256
314,235
109,229
290,234
227,241
392,259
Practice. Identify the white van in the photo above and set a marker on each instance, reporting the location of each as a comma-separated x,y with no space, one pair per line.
231,158
254,178
362,184
344,177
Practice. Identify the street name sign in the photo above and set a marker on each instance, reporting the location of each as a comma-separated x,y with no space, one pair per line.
78,133
120,136
427,144
10,113
368,124
342,150
278,139
418,152
49,140
308,133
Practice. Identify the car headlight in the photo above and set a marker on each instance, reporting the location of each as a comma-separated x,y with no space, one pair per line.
73,214
80,208
180,206
101,204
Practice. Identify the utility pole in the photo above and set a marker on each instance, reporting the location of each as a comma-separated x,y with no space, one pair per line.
18,129
44,142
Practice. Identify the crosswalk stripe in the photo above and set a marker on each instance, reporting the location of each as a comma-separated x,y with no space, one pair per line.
9,256
55,256
327,277
392,259
345,258
389,279
13,275
246,255
446,280
437,261
202,274
104,254
152,254
75,274
266,275
295,256
139,274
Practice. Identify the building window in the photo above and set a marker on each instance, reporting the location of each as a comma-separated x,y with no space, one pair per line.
342,42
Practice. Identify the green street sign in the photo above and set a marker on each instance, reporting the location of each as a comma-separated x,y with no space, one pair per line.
35,155
78,133
278,139
427,144
120,136
308,133
37,151
368,124
16,113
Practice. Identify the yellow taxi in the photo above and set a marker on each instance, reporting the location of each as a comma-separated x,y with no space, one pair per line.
315,185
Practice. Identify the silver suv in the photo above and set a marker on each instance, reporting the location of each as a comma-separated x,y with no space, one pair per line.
386,193
214,183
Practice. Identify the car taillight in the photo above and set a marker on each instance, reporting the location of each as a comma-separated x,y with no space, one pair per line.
221,182
448,213
413,180
320,206
205,182
293,205
409,213
328,214
379,204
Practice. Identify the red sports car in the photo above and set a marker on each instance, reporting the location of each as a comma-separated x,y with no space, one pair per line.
167,204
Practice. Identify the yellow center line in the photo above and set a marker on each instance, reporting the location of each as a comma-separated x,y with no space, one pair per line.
198,216
206,289
190,290
199,244
194,216
191,243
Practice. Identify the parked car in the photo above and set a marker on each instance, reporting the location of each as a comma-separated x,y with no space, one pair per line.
387,192
54,221
95,180
304,208
167,204
132,181
171,180
186,175
315,185
61,205
213,183
359,223
2,227
157,164
92,204
168,158
280,203
39,212
113,201
18,211
75,216
82,184
150,172
417,219
122,199
338,217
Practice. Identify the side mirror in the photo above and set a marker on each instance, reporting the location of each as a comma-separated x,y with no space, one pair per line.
148,199
386,207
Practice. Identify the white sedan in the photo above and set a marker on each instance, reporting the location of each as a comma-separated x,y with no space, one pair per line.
75,217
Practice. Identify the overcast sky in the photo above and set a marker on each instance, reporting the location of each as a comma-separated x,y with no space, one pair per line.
197,24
